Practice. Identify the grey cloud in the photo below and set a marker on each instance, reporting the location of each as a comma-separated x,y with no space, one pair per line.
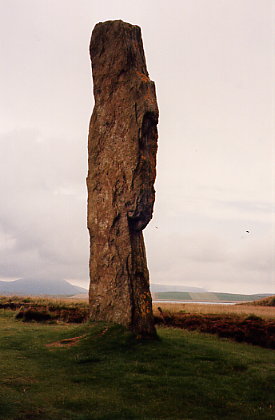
255,255
44,210
213,75
249,206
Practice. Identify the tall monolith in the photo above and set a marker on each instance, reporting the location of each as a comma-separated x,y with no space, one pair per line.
122,169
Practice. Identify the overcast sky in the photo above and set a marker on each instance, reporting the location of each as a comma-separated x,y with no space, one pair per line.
212,65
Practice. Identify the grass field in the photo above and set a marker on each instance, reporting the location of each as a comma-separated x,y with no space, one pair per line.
107,374
243,310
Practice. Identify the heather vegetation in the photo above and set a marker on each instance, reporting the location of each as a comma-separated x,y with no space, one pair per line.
42,309
51,371
251,329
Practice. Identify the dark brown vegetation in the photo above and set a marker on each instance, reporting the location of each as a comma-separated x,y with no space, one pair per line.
42,310
251,329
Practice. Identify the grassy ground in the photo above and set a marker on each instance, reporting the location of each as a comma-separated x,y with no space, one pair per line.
109,375
242,310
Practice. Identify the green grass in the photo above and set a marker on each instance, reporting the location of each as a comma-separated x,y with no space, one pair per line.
111,375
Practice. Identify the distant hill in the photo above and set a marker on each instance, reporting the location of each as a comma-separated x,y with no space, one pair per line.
38,287
56,287
155,288
207,297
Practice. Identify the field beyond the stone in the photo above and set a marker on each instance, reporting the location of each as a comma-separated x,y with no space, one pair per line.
242,310
57,370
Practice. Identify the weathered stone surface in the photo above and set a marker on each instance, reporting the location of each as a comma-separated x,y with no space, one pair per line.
122,169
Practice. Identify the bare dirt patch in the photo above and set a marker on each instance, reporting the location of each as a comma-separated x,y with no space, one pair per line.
67,342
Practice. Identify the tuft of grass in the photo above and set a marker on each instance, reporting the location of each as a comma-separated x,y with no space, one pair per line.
109,374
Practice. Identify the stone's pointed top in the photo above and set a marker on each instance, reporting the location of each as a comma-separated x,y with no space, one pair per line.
117,22
116,26
116,48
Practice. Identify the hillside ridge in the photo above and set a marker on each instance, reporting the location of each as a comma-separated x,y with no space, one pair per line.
34,286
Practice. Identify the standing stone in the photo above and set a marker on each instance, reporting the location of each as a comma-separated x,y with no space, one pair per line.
122,169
